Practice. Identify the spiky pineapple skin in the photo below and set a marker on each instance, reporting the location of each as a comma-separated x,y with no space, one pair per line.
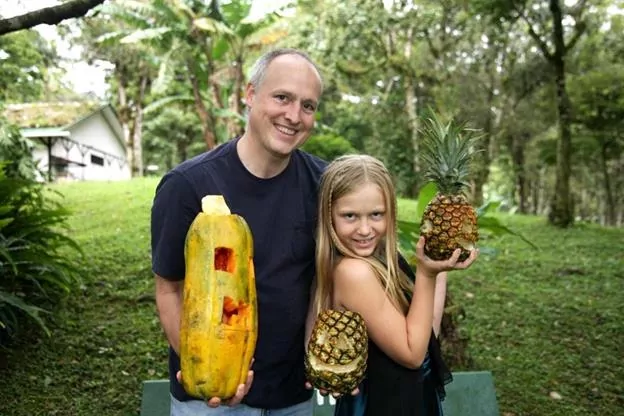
340,339
449,222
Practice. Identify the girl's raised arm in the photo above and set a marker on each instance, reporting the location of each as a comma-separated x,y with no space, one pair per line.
404,338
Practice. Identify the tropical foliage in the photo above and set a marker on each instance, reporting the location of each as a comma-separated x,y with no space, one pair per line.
34,262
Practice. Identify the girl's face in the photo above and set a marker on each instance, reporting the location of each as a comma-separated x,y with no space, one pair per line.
360,219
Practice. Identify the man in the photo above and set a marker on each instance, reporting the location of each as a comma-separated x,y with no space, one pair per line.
273,185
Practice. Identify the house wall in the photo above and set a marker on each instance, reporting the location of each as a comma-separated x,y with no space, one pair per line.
95,132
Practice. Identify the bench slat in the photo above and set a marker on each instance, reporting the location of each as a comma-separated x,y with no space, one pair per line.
471,393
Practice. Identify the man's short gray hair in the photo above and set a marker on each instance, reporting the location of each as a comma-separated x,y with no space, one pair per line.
258,71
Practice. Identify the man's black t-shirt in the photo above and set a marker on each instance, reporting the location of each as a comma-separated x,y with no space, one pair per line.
281,213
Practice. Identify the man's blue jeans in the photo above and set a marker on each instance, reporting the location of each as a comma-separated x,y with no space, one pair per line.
200,408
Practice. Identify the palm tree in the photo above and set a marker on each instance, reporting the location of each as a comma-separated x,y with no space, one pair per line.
211,41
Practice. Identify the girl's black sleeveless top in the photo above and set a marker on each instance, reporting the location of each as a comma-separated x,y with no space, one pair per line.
392,389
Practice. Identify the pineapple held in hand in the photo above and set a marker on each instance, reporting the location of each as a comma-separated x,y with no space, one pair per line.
449,221
337,351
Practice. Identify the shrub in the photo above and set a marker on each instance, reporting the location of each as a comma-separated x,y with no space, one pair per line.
15,151
328,146
34,252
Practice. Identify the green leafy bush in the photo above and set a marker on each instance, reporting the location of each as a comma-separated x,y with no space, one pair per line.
328,146
15,151
35,262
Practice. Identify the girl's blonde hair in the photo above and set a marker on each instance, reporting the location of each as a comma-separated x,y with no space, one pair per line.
340,178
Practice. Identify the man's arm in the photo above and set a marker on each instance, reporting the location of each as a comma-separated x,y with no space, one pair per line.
438,302
169,305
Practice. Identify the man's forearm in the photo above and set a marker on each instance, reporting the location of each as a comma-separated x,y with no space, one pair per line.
169,304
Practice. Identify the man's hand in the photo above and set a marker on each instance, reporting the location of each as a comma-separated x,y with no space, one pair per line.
323,392
241,391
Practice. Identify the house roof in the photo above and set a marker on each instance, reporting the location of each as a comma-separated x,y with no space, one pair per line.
49,114
39,119
45,132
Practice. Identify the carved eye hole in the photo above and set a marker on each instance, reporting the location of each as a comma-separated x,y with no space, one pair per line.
224,259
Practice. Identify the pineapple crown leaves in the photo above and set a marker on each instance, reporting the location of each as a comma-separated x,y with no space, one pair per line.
447,149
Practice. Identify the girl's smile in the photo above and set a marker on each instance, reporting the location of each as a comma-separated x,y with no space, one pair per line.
359,219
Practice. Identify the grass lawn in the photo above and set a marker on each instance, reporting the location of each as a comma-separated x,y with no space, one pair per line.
546,323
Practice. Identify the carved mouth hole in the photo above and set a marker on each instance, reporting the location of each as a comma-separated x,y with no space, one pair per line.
319,365
233,312
224,259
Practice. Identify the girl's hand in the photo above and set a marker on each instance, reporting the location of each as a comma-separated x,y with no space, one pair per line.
431,267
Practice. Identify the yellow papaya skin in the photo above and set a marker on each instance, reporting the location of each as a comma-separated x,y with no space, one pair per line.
219,322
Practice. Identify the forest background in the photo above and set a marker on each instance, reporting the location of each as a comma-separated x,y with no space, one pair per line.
542,80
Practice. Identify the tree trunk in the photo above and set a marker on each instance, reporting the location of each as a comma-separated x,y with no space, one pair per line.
482,173
234,125
536,193
561,211
203,113
610,201
619,190
454,343
411,108
137,137
520,173
516,145
125,113
543,198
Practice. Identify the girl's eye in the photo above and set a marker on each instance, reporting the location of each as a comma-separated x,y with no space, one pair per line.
348,215
378,215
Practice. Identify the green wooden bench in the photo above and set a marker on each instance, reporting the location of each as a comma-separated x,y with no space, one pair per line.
471,393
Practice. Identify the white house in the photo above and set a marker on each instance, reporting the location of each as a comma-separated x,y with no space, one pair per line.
73,140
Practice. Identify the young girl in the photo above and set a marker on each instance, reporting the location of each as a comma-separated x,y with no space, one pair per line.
360,269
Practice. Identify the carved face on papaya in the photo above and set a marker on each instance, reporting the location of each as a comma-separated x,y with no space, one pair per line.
219,315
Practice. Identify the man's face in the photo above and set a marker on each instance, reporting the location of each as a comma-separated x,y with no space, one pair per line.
282,108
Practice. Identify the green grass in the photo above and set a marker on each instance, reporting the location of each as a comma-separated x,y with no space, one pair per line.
542,321
548,320
107,338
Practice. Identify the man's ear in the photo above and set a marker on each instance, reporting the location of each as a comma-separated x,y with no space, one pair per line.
250,93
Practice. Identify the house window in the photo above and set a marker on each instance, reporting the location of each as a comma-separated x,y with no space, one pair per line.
97,160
